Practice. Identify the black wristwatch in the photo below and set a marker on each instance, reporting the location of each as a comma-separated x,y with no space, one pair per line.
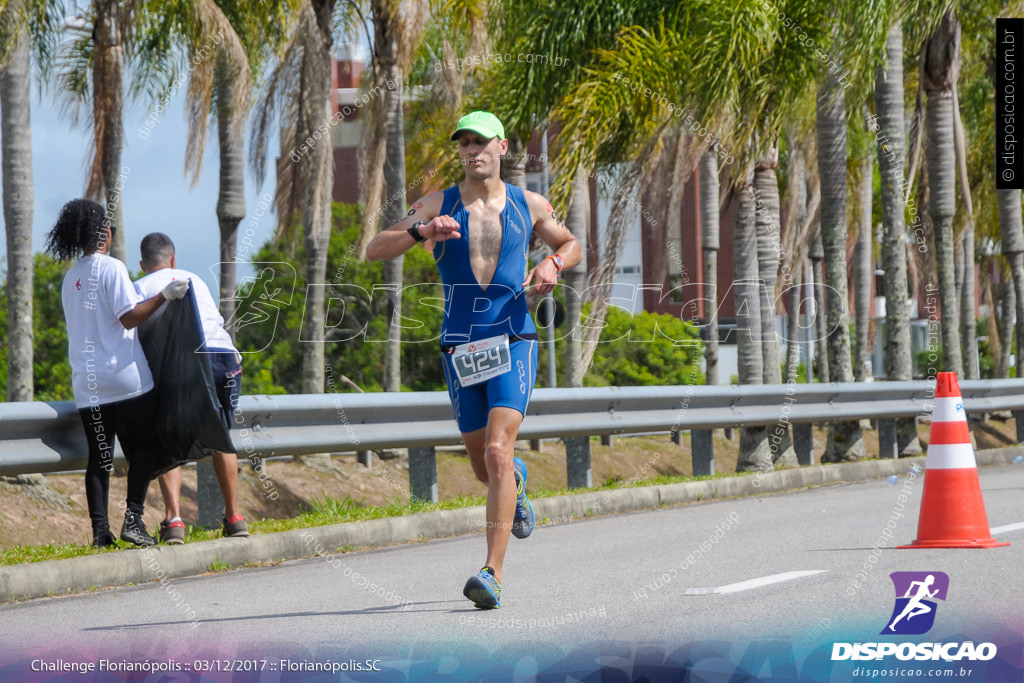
415,231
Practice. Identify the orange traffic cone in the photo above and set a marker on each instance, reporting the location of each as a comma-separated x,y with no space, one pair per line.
952,509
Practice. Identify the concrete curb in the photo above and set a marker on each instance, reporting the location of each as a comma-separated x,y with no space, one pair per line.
161,563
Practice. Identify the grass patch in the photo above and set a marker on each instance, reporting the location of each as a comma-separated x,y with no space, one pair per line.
23,554
326,510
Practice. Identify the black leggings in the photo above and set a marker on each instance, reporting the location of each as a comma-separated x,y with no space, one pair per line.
132,422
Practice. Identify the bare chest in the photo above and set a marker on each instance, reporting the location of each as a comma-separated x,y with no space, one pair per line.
485,240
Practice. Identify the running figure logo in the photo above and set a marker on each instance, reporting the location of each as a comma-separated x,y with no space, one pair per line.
916,593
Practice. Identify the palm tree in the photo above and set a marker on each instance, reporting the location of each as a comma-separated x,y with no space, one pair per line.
770,257
226,45
754,450
845,441
300,89
803,197
709,228
940,63
891,164
577,220
1007,308
966,289
16,160
862,267
398,30
1011,230
112,20
816,253
611,116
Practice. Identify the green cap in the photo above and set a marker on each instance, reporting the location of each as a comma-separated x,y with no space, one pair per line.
483,123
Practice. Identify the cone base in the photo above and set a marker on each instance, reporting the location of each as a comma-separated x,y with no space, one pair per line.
952,511
982,543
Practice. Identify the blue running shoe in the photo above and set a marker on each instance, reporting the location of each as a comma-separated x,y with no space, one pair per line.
483,589
522,524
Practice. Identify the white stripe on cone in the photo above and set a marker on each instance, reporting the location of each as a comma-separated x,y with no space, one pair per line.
949,410
950,456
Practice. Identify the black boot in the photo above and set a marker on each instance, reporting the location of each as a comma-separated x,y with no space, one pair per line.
134,531
102,538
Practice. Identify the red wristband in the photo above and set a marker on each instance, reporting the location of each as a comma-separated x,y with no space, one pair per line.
559,264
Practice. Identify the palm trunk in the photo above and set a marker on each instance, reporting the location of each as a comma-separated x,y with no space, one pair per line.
937,76
16,161
862,272
890,134
845,441
966,289
108,115
231,197
765,194
1011,231
794,242
1007,310
394,190
636,175
820,330
316,216
793,328
754,453
709,228
513,164
577,220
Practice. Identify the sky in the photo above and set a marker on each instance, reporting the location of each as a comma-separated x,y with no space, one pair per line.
157,196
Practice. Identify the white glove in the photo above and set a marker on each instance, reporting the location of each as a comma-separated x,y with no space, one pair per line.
176,289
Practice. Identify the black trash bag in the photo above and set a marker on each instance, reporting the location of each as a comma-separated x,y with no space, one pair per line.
189,421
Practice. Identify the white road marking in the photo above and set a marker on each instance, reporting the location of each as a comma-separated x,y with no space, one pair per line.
1007,527
754,583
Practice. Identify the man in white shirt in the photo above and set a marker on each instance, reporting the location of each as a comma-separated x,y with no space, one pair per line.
159,264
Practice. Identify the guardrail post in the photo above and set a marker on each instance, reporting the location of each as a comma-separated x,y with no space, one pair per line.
607,440
208,495
577,459
536,445
887,444
1019,417
423,474
677,437
703,452
363,457
803,443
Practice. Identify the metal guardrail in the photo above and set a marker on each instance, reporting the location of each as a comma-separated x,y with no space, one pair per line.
48,436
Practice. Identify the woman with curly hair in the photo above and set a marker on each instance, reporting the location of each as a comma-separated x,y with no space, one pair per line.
109,374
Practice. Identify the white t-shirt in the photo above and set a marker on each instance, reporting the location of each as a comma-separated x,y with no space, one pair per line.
217,337
107,361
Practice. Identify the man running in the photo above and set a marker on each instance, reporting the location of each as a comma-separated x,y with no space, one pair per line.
479,231
915,607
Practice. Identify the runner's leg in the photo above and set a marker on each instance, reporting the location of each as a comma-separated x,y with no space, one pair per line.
502,429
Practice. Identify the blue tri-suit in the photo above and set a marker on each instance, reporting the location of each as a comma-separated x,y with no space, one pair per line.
472,313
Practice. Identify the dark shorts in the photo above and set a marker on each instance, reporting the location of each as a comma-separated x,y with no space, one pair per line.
510,390
227,378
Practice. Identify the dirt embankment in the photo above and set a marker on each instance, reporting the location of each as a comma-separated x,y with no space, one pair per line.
51,509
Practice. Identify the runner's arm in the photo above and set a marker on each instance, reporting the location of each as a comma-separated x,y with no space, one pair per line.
396,240
553,233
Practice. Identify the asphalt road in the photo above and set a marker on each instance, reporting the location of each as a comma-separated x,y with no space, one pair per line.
770,582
